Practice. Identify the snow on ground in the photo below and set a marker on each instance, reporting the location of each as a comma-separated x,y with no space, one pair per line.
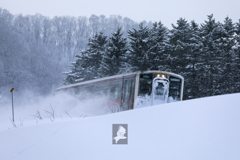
200,129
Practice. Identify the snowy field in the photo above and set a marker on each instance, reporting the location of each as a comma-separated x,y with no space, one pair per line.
201,129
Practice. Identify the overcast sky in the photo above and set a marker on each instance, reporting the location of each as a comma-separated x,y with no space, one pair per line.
167,11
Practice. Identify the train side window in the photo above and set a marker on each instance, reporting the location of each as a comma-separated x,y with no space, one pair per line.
108,92
131,95
116,93
126,90
131,89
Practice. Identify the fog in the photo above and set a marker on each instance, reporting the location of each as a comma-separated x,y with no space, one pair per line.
29,109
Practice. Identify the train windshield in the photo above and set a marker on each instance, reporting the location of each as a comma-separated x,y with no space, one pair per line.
174,89
158,88
153,90
144,91
145,84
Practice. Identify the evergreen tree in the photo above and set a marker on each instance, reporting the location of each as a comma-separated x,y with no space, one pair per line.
159,43
139,48
180,46
75,73
236,49
211,34
115,57
93,56
180,52
89,64
193,73
227,42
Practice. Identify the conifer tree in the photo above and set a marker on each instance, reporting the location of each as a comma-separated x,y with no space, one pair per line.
139,48
180,51
236,49
193,73
158,57
93,56
115,58
211,34
227,42
180,48
75,73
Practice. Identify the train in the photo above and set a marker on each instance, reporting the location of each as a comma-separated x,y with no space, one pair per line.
132,90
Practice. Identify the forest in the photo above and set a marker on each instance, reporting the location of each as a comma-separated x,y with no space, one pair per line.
39,53
206,55
35,49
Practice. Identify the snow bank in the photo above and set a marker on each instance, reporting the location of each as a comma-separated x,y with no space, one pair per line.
206,128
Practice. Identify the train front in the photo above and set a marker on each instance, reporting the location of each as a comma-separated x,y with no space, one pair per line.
158,88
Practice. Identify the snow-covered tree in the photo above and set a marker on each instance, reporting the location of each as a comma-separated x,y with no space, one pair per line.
193,73
179,39
236,62
185,48
93,64
158,57
76,72
139,48
115,58
227,42
128,24
211,33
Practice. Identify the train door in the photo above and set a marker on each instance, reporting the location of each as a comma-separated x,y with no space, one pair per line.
127,93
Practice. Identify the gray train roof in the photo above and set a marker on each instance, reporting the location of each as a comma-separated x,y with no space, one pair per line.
118,76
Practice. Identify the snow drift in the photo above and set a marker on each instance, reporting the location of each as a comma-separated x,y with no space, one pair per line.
206,128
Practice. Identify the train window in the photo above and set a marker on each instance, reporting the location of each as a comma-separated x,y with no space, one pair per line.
125,94
126,90
132,86
174,89
145,84
108,92
159,90
116,93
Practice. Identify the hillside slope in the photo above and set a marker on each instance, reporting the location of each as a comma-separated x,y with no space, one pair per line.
206,128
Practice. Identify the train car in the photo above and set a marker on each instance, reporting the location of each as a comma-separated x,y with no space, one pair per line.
132,90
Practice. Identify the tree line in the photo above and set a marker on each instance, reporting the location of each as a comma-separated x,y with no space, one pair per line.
207,55
36,49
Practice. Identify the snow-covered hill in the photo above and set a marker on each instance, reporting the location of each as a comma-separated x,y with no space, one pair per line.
201,129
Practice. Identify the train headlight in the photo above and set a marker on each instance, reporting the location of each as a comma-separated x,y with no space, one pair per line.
163,76
158,75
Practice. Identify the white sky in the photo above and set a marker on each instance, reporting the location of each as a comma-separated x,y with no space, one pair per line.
168,11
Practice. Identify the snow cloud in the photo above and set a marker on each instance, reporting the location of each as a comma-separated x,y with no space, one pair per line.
29,107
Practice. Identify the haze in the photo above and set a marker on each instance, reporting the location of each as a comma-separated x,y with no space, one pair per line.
152,10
